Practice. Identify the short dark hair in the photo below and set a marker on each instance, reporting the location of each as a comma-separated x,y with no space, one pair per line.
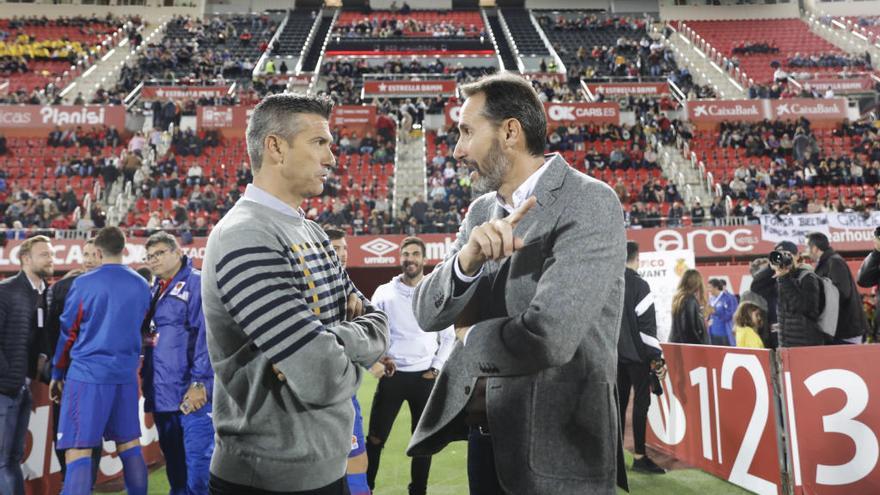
274,115
334,234
512,97
110,240
145,272
162,238
632,251
819,240
717,283
24,249
414,240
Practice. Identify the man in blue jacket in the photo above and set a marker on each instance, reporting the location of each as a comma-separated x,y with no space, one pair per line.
177,374
723,305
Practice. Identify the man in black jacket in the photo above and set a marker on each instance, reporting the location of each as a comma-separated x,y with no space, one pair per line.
638,355
56,296
23,348
852,324
869,276
800,301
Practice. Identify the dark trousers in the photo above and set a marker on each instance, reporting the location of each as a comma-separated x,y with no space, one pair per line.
635,376
15,413
187,442
719,340
392,391
219,486
482,476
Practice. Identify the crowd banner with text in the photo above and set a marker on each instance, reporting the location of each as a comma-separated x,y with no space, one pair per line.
708,113
561,114
856,85
627,89
37,121
404,88
232,121
41,468
183,92
717,413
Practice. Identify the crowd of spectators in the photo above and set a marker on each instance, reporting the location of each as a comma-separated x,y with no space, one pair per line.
372,27
754,47
830,60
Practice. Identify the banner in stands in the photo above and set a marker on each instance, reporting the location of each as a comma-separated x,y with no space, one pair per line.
813,109
41,467
183,92
582,113
856,85
790,227
37,120
626,89
230,121
711,112
848,232
717,413
662,270
409,88
832,401
360,118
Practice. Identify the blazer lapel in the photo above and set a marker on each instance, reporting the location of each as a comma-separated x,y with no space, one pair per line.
545,193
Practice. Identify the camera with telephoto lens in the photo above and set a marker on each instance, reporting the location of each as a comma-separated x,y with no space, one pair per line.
877,232
781,259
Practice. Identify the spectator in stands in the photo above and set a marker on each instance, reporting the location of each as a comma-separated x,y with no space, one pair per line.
800,300
869,277
722,305
852,325
718,211
688,323
698,213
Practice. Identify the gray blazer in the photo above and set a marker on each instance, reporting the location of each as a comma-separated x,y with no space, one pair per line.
550,353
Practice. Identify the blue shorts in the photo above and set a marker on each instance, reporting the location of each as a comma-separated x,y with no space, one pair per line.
92,411
358,445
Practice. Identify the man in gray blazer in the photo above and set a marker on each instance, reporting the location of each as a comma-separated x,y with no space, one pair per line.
534,285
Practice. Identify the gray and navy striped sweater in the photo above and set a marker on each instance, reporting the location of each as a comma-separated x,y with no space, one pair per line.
274,293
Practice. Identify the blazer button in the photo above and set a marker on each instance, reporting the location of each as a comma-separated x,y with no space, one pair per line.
467,390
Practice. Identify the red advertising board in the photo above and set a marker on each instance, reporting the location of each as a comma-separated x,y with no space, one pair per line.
626,89
582,113
707,113
37,120
232,121
360,118
813,109
717,413
183,92
41,467
716,111
409,88
840,85
832,398
451,111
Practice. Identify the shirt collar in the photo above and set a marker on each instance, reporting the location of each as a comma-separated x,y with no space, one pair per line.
260,196
39,289
525,190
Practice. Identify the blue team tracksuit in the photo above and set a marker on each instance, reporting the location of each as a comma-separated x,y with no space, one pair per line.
177,358
97,356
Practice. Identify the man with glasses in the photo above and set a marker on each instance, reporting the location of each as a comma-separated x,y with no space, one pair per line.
177,374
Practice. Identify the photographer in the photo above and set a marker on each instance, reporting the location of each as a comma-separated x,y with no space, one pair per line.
869,275
800,299
851,321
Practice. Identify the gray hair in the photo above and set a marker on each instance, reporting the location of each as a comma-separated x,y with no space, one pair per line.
276,114
162,238
512,97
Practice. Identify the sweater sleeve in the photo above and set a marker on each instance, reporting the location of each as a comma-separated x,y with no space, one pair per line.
254,281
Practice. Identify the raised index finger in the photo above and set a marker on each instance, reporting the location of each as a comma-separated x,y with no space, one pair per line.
520,212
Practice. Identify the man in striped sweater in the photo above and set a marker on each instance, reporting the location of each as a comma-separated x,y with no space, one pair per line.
288,333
